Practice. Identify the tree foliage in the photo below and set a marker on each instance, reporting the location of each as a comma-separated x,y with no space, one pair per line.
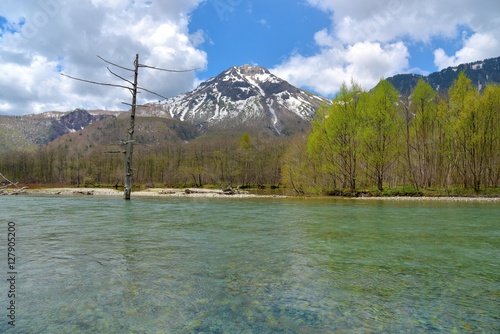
335,135
423,137
363,140
450,141
380,130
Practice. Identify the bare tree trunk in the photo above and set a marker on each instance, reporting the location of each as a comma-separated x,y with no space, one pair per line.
130,136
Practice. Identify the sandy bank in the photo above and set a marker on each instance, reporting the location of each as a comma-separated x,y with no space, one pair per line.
233,193
153,192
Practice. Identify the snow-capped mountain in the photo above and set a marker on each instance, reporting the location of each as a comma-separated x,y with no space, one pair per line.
242,96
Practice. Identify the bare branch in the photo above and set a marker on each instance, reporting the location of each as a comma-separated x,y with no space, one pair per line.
167,70
116,75
95,83
11,183
107,61
146,90
125,142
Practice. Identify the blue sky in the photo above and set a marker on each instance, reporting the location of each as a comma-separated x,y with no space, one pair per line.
313,44
267,32
262,33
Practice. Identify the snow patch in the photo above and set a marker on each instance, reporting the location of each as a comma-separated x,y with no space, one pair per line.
275,117
263,77
477,66
256,85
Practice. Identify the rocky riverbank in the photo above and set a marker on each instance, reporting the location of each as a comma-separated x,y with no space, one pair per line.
152,192
227,192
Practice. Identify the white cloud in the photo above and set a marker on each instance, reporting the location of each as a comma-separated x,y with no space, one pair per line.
364,62
362,20
55,34
477,47
323,38
370,39
366,40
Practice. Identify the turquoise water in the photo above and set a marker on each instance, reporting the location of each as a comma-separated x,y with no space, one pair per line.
176,265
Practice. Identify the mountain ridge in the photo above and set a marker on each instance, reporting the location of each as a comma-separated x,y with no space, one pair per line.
480,72
29,132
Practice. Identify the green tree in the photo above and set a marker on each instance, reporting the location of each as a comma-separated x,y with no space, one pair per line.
444,143
490,109
477,131
381,128
335,136
423,133
246,141
297,168
461,126
321,150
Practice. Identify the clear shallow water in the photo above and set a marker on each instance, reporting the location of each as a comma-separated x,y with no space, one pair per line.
173,265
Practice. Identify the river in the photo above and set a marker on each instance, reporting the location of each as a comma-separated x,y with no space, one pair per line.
222,265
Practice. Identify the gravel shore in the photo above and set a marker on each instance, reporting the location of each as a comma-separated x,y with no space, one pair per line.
195,192
425,198
153,192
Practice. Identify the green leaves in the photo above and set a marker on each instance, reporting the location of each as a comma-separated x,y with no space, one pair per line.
334,140
449,140
474,120
423,136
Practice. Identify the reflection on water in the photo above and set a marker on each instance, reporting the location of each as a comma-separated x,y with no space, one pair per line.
103,265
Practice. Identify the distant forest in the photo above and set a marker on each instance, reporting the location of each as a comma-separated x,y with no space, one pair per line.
362,142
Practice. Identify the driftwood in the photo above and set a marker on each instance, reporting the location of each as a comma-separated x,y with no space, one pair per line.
4,189
229,191
225,191
18,191
166,192
189,191
90,192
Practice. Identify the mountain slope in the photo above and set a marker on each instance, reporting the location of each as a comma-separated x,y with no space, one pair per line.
108,133
31,131
242,96
481,73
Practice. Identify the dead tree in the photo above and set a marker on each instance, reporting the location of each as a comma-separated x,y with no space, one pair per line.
127,186
6,183
133,88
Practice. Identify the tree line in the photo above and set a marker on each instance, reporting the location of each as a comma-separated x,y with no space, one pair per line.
361,141
243,161
379,139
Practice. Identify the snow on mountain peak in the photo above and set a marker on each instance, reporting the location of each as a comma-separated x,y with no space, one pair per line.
242,95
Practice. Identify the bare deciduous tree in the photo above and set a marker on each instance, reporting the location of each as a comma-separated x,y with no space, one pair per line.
133,88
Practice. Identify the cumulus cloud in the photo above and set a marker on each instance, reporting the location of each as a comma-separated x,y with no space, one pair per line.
47,37
369,39
364,62
478,46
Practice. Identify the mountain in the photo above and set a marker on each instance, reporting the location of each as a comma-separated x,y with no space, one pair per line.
481,73
242,97
108,133
31,131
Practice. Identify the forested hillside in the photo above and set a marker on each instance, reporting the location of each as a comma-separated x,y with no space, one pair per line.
362,142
